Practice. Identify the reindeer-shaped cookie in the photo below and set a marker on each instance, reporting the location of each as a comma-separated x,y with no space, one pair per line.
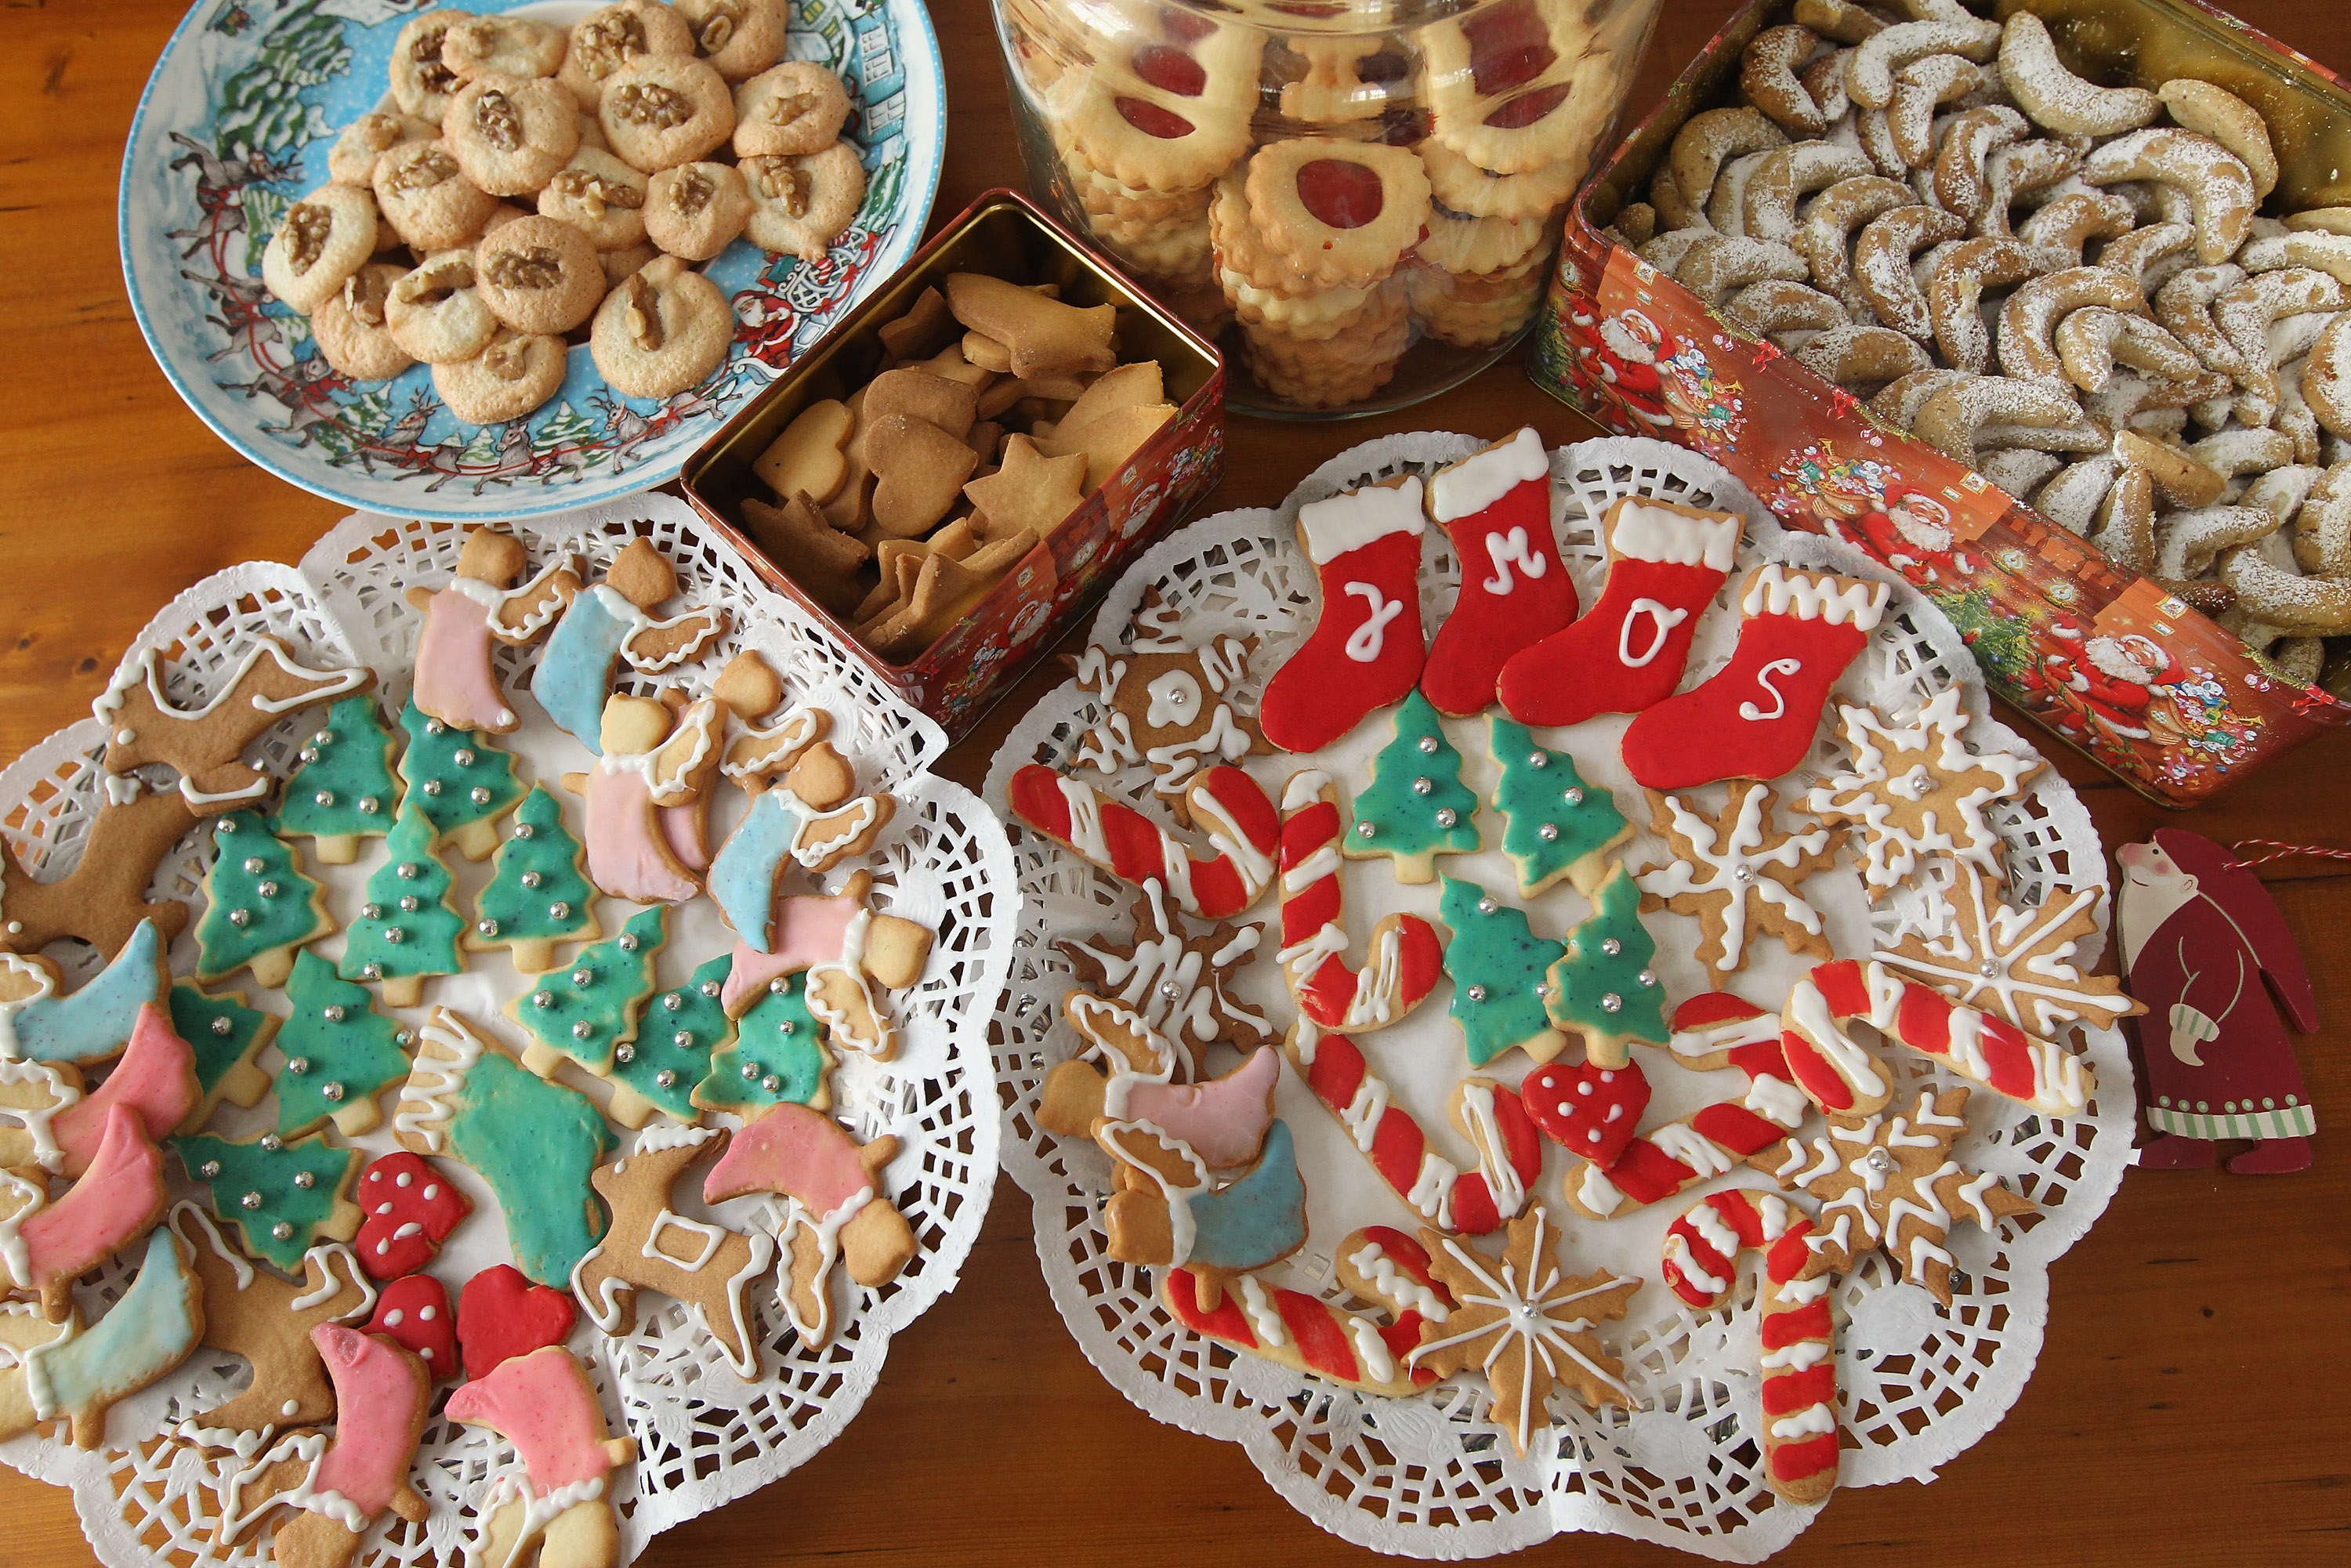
204,745
457,681
104,897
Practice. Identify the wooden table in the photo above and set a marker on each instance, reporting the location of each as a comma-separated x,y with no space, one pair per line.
2190,1402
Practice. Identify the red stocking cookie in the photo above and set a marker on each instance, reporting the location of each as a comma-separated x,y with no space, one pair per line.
1711,1031
1495,506
1799,1334
1230,806
1367,650
1842,1076
1470,1202
1756,717
1665,564
1406,957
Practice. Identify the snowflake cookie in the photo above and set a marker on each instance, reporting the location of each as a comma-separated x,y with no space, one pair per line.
1914,789
1737,874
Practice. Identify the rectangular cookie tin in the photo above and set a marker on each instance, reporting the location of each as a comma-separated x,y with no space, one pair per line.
2167,700
960,675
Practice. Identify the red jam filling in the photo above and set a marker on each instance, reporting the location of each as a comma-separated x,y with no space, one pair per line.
1152,119
1170,71
1383,67
1528,108
1507,48
1182,26
1340,193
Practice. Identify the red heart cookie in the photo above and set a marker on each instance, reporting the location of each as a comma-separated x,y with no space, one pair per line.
412,1206
1590,1111
413,1312
501,1315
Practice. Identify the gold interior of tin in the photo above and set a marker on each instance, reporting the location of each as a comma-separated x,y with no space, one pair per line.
1004,238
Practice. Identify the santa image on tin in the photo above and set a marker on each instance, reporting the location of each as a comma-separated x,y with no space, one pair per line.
1629,349
1912,534
2104,686
2206,948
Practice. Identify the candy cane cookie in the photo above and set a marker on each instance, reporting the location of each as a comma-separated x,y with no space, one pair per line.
1798,1330
1242,824
1840,1075
1406,955
1490,1114
1714,1031
1293,1329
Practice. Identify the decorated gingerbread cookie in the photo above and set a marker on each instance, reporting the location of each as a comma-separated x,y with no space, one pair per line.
544,1405
464,622
1415,807
1602,986
1169,701
775,1054
1366,649
1914,789
684,1032
1501,974
413,1312
117,1201
538,895
84,1027
408,927
1495,506
225,1036
1739,875
103,900
1405,954
411,1207
1554,826
206,745
282,1197
261,909
344,788
584,1013
339,1053
650,760
60,1121
610,622
56,1370
461,782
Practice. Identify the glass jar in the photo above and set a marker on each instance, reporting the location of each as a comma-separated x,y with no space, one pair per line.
1363,197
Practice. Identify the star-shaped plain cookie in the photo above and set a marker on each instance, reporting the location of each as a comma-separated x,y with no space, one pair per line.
1030,491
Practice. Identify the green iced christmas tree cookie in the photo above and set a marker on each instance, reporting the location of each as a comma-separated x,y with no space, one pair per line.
1500,972
460,781
408,928
779,1055
1603,987
1553,824
284,1197
1416,807
225,1036
588,1011
659,1070
261,909
539,894
340,1053
344,790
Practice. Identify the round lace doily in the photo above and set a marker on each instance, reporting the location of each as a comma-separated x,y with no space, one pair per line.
1429,1475
704,1436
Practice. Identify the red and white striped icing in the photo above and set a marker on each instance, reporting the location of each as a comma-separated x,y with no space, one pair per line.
1237,815
1798,1330
1841,1075
1406,957
1717,1030
1305,1332
1468,1203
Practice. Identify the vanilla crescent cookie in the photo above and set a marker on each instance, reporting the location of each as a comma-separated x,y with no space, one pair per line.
510,133
794,109
1340,212
349,328
426,197
323,239
506,381
661,111
663,330
697,210
800,206
538,275
611,37
435,314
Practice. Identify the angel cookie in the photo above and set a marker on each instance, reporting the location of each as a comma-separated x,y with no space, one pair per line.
608,624
650,759
456,679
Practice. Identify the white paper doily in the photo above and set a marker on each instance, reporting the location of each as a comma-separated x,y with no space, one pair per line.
704,1438
1428,1476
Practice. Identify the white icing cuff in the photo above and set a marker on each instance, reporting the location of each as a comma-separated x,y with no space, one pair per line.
1349,522
1674,539
1476,482
1814,597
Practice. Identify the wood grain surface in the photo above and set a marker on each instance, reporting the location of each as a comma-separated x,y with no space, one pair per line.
2190,1402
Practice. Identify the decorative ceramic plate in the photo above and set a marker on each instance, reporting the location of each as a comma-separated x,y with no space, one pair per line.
235,124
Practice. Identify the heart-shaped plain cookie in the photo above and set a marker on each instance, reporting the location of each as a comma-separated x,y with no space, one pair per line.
501,1315
1590,1111
919,470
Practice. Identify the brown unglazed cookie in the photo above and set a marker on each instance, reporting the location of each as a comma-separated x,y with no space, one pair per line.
435,314
740,39
502,47
422,82
600,196
350,329
103,899
795,109
352,160
697,210
538,275
426,198
663,330
611,36
506,381
664,109
321,240
800,206
510,134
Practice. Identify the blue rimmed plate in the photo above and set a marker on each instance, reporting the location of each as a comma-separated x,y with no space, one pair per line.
235,124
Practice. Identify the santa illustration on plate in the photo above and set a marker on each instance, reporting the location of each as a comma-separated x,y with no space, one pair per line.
2206,949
